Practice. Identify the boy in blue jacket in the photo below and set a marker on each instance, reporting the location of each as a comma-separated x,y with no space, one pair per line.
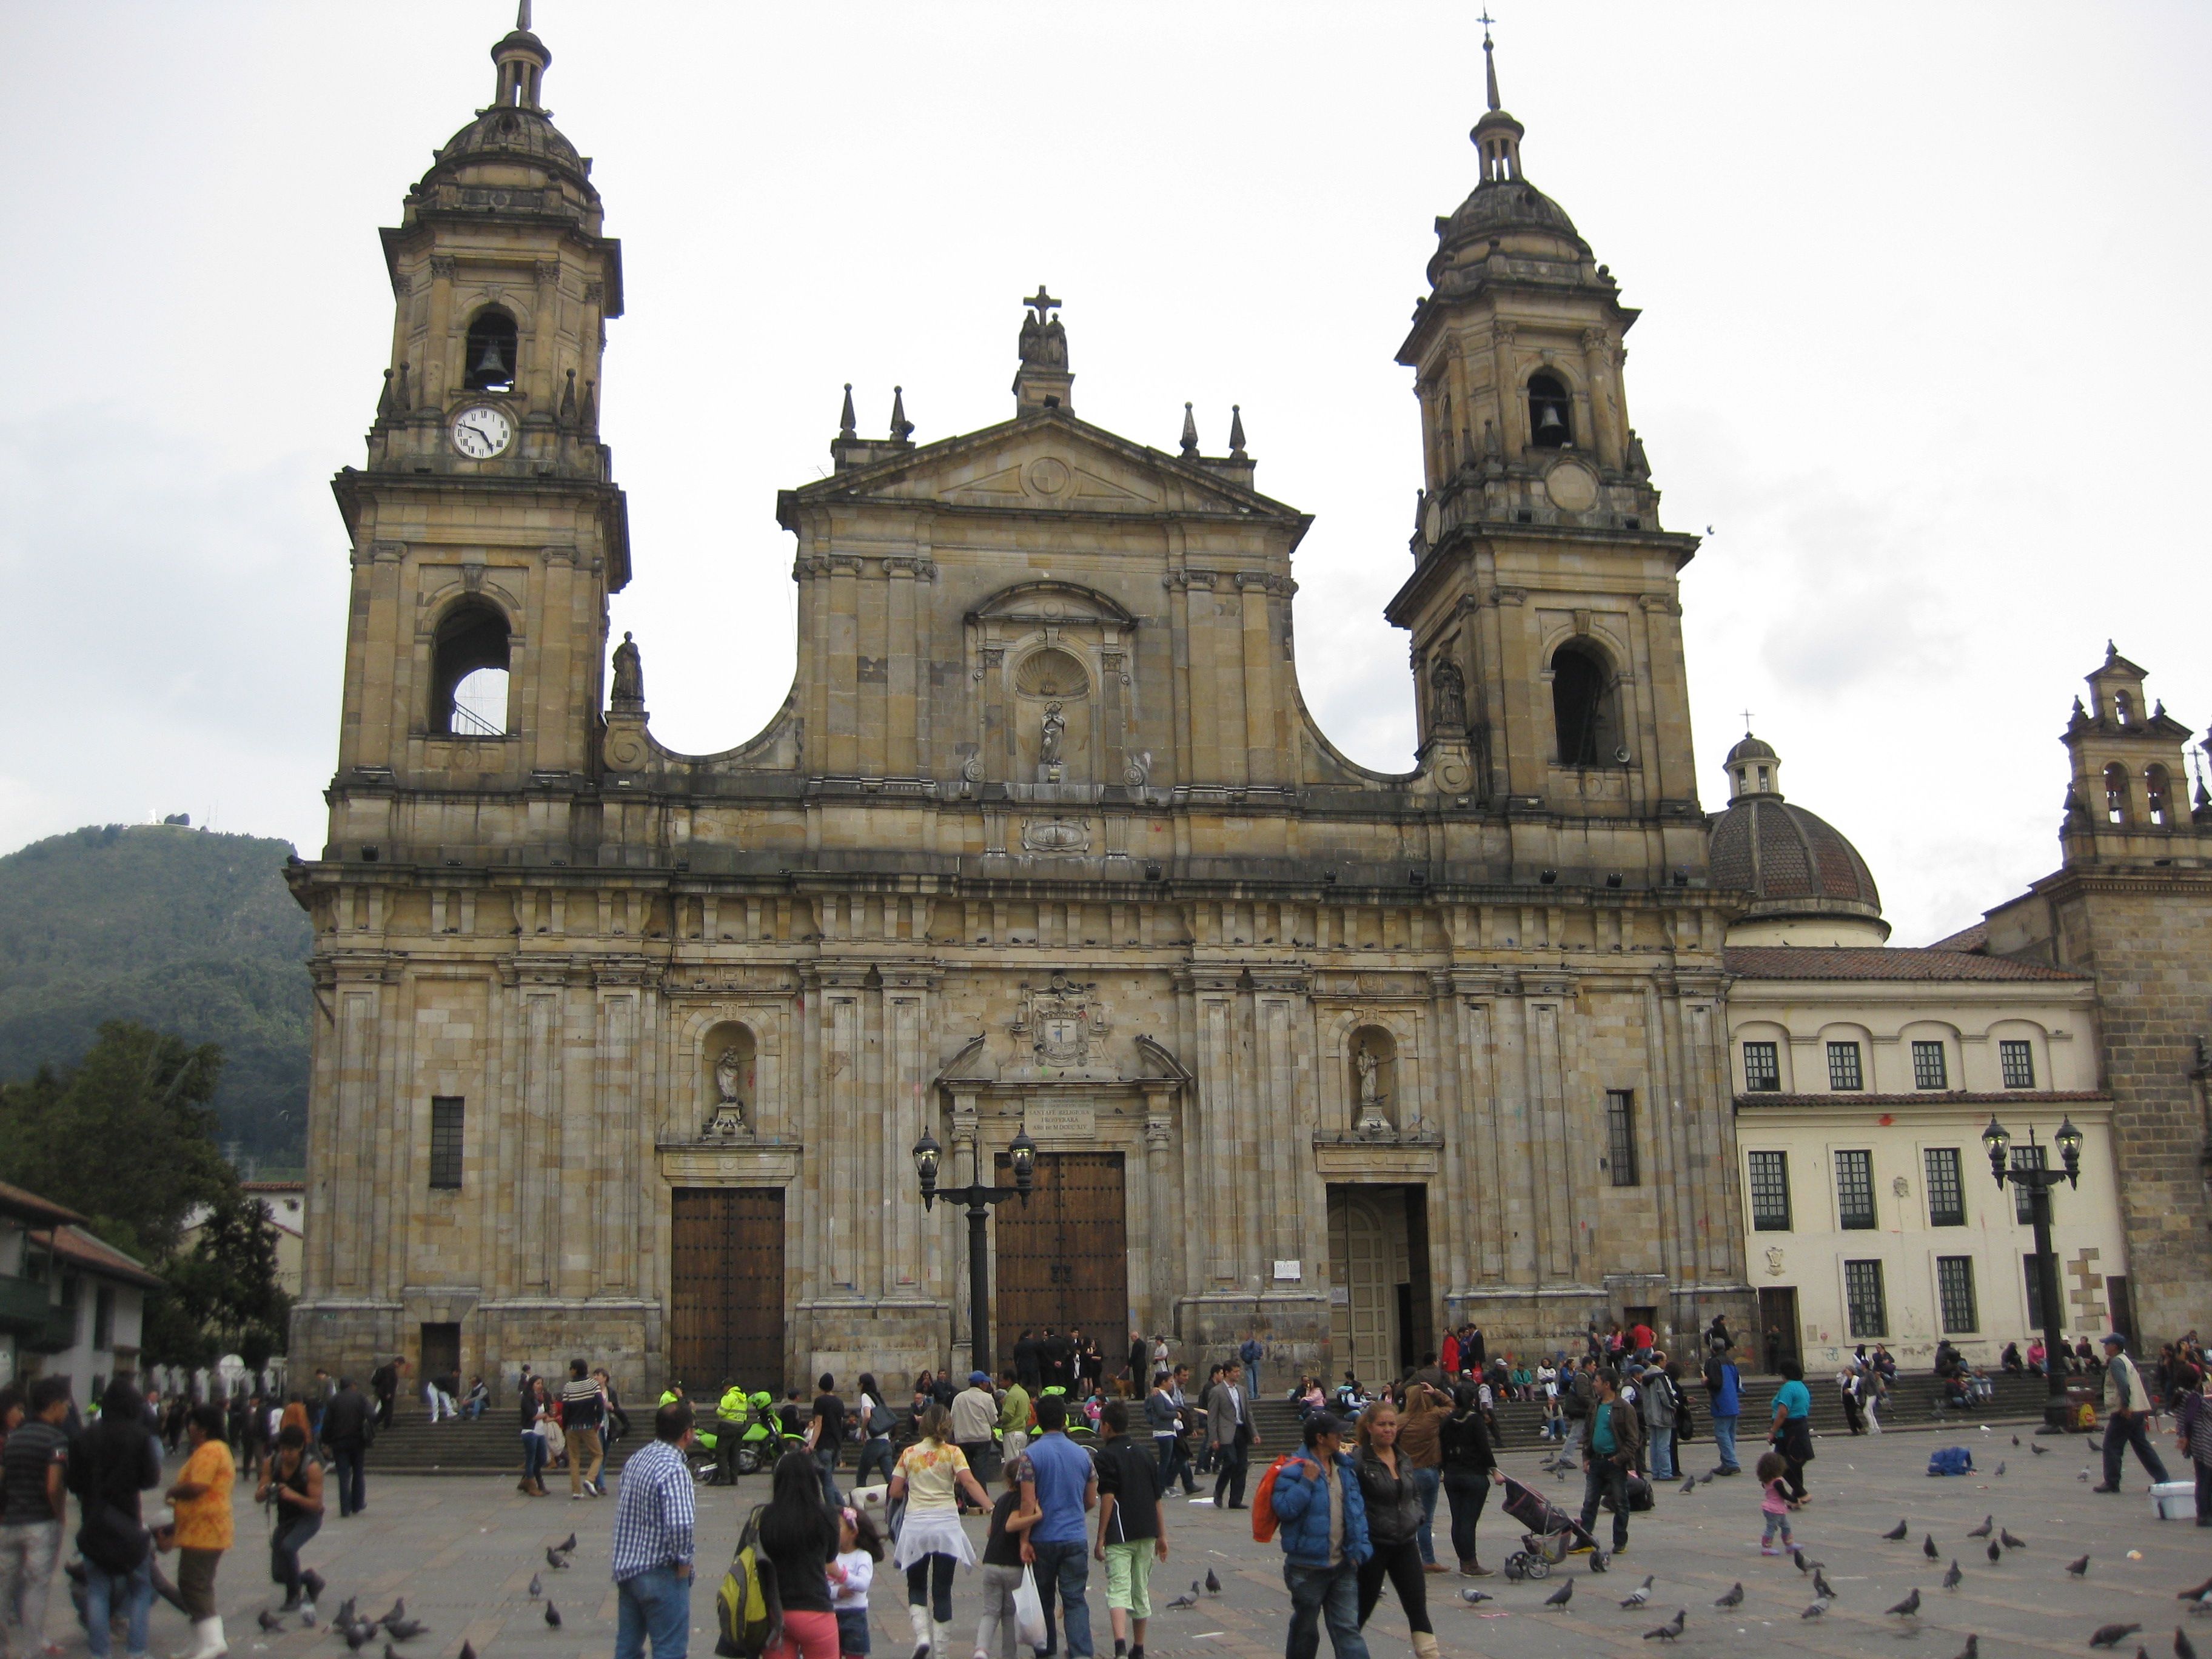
1324,1537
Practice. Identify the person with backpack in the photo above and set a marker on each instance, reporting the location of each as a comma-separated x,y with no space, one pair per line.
877,1421
798,1534
116,1459
1392,1497
1724,1397
1615,1443
1015,1416
1316,1502
1658,1403
655,1521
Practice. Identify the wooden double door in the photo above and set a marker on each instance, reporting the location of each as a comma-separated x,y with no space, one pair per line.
725,1314
1063,1258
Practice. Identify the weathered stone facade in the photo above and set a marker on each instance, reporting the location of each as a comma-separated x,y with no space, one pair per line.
1044,836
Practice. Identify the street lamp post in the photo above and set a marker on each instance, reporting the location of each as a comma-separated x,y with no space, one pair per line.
2039,1182
978,1198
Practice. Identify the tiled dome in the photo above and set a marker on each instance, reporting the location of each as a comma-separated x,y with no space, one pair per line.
1796,866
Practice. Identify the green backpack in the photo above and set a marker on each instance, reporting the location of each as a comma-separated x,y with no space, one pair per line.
742,1605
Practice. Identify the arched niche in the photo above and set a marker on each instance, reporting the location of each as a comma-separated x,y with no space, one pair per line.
729,1057
1370,1066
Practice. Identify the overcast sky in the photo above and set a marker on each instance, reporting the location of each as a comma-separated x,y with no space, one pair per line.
1919,344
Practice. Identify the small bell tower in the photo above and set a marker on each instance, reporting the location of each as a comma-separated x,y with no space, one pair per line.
2126,796
487,532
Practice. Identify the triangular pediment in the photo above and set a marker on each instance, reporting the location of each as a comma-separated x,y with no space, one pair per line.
1047,462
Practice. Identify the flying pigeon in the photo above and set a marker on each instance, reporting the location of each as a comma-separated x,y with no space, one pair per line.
552,1615
1996,1554
1475,1598
555,1560
1951,1578
2110,1636
1732,1597
1690,1484
1897,1532
1908,1607
1815,1611
2005,1537
2039,1450
270,1621
2079,1567
1928,1549
1671,1629
1822,1587
1182,1602
2183,1647
1989,1525
1973,1648
1213,1583
1642,1593
2197,1595
1561,1596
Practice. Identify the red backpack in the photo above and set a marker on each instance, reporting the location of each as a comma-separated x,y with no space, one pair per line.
1263,1502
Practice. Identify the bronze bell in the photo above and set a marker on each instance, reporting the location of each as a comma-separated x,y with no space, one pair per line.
1549,421
491,365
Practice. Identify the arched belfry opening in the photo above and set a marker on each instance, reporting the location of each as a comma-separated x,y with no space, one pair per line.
468,658
2158,796
1585,707
2116,794
1550,411
488,359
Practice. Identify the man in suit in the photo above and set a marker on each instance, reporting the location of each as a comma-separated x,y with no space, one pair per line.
1229,1430
1058,1351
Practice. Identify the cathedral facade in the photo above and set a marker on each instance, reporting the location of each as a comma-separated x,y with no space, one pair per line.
623,1051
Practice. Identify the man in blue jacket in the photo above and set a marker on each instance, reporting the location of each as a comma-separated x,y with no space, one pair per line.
1324,1537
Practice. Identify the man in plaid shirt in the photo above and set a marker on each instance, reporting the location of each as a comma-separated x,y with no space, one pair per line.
651,1556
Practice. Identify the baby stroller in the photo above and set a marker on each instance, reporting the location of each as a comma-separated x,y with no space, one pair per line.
1551,1535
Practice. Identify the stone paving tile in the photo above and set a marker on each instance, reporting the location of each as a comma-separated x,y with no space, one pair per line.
462,1550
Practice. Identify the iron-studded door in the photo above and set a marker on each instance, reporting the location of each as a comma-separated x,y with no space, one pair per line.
726,1316
1062,1259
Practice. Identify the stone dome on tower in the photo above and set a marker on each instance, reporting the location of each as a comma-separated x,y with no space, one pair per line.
513,142
1504,203
1808,885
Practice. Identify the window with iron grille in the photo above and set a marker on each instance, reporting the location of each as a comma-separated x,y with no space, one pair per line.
2023,1200
1855,1189
1843,1066
1868,1308
1929,1070
1620,1126
1762,1067
1770,1192
2016,1060
1947,1193
2034,1292
1954,1289
445,1117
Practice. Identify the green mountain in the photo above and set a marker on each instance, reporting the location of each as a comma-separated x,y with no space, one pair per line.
190,933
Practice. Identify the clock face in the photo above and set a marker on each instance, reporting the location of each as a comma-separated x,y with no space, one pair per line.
481,432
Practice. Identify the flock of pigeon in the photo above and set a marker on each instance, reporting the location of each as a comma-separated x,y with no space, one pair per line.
395,1626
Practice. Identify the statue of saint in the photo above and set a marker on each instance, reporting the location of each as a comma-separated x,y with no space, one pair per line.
1049,739
729,1075
629,673
1370,1084
1449,708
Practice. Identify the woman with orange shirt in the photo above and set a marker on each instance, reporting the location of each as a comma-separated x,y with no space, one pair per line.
201,1500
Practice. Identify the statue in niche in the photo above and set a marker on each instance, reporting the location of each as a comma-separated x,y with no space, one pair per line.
1374,1119
1450,687
630,675
1052,737
729,1117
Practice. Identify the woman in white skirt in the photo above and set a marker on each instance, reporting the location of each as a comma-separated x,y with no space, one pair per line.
930,1475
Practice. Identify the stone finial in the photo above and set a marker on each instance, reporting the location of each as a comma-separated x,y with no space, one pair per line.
384,399
568,416
847,426
1237,433
1189,434
1489,61
588,415
902,427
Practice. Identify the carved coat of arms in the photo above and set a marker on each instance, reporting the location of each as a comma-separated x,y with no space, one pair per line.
1061,1019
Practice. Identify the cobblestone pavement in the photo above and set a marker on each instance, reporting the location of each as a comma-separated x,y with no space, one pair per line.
462,1550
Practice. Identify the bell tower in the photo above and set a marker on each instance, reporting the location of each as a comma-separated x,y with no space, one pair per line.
487,532
1543,583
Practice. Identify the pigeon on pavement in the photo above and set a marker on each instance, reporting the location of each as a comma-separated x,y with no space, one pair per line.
1897,1532
1822,1587
537,1587
1973,1648
1561,1596
1908,1607
2039,1450
468,1650
399,1611
1671,1629
552,1615
2010,1542
1213,1583
1928,1549
2197,1595
1732,1597
2183,1647
1182,1602
555,1560
2015,1440
2079,1567
567,1546
1989,1525
1642,1593
1475,1598
1996,1554
1951,1578
404,1629
1690,1484
2110,1636
1815,1611
270,1621
2000,1468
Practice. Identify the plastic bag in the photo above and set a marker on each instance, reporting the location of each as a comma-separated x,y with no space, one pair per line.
1029,1611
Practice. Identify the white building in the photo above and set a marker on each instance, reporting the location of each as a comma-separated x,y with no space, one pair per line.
71,1304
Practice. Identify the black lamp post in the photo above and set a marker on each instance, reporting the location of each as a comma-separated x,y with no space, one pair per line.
979,1198
2039,1182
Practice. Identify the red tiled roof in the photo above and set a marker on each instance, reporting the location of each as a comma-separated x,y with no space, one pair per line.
1976,938
1830,962
95,1256
29,1206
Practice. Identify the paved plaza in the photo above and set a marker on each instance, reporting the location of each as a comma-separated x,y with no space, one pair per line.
462,1550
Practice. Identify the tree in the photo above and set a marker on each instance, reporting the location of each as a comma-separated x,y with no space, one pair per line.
223,1297
125,1137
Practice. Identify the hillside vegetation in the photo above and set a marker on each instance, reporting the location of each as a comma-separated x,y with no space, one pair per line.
185,932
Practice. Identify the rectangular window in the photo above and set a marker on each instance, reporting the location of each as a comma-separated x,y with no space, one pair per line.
1843,1066
446,1113
1954,1289
1869,1309
103,1317
1855,1189
1927,1069
2034,1292
1621,1127
1947,1194
1762,1067
2017,1061
1770,1192
2023,1201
